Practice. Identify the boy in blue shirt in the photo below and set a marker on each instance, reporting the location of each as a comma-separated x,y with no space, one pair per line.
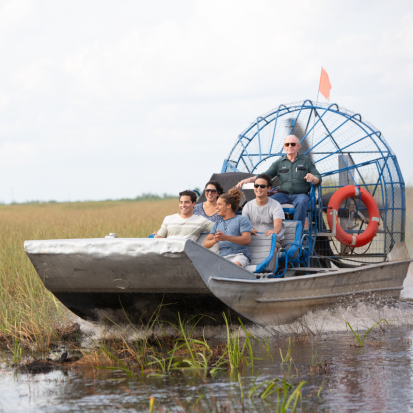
233,232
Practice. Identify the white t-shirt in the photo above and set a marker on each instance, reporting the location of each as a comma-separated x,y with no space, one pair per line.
173,226
262,217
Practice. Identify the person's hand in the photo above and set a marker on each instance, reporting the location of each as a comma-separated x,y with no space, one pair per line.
220,236
154,233
269,232
309,177
254,231
240,183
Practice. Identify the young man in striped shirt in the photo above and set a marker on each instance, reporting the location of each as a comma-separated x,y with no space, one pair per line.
184,225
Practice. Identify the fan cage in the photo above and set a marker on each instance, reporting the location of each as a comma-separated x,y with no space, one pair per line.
347,150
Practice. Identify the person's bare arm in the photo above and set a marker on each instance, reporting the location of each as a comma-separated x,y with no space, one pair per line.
244,239
245,181
157,236
210,241
278,223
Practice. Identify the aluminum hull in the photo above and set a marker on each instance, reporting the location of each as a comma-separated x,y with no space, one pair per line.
130,279
279,301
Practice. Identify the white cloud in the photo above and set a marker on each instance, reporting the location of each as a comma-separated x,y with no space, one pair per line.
105,93
20,155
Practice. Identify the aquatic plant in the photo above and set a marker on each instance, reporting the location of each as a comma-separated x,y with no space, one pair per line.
151,404
265,343
196,362
287,358
318,364
279,387
321,388
315,358
16,349
240,386
357,336
121,366
235,349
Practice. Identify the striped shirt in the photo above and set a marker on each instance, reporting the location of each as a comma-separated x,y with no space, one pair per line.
173,226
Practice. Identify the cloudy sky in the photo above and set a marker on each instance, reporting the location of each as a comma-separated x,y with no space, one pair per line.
110,99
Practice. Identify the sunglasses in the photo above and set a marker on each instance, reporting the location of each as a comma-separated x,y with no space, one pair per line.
260,186
287,144
211,190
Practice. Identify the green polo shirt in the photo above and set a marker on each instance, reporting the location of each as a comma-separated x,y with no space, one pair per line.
291,174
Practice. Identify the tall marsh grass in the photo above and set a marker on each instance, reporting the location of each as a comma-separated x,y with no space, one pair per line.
28,312
409,220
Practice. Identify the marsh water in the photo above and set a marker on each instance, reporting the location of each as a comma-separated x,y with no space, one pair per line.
340,375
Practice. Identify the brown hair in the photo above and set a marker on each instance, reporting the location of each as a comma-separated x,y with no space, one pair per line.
189,193
233,198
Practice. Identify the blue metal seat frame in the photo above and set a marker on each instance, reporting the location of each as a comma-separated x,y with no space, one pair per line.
287,255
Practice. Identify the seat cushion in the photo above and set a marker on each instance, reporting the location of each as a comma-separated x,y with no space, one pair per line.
288,208
260,249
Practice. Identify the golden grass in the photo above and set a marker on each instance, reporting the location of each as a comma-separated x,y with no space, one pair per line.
27,310
409,220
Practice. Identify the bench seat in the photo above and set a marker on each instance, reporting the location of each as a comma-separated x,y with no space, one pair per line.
262,248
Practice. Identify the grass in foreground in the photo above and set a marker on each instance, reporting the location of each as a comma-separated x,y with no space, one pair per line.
180,353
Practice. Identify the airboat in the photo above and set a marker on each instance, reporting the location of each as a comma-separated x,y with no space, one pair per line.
352,247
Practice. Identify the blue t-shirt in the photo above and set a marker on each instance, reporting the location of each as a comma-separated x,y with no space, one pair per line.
234,226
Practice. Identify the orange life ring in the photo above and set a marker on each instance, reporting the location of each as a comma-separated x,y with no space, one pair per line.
370,232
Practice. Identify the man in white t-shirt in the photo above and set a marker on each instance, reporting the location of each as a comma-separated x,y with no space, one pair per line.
265,214
184,225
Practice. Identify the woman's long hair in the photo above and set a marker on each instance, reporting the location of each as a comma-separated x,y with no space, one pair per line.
233,198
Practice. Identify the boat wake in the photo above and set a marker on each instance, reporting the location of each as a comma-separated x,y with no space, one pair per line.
360,314
407,292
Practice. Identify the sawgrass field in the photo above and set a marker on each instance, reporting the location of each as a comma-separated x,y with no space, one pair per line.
28,312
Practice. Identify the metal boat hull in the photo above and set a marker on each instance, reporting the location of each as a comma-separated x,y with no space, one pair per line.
279,301
131,279
140,307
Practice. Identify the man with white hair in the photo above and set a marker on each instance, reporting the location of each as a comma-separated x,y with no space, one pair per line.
295,173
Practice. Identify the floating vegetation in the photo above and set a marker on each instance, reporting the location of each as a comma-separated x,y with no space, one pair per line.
282,388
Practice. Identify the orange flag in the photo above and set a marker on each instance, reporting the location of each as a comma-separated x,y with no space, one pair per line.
325,84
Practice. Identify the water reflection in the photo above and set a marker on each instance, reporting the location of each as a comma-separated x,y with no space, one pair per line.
376,378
